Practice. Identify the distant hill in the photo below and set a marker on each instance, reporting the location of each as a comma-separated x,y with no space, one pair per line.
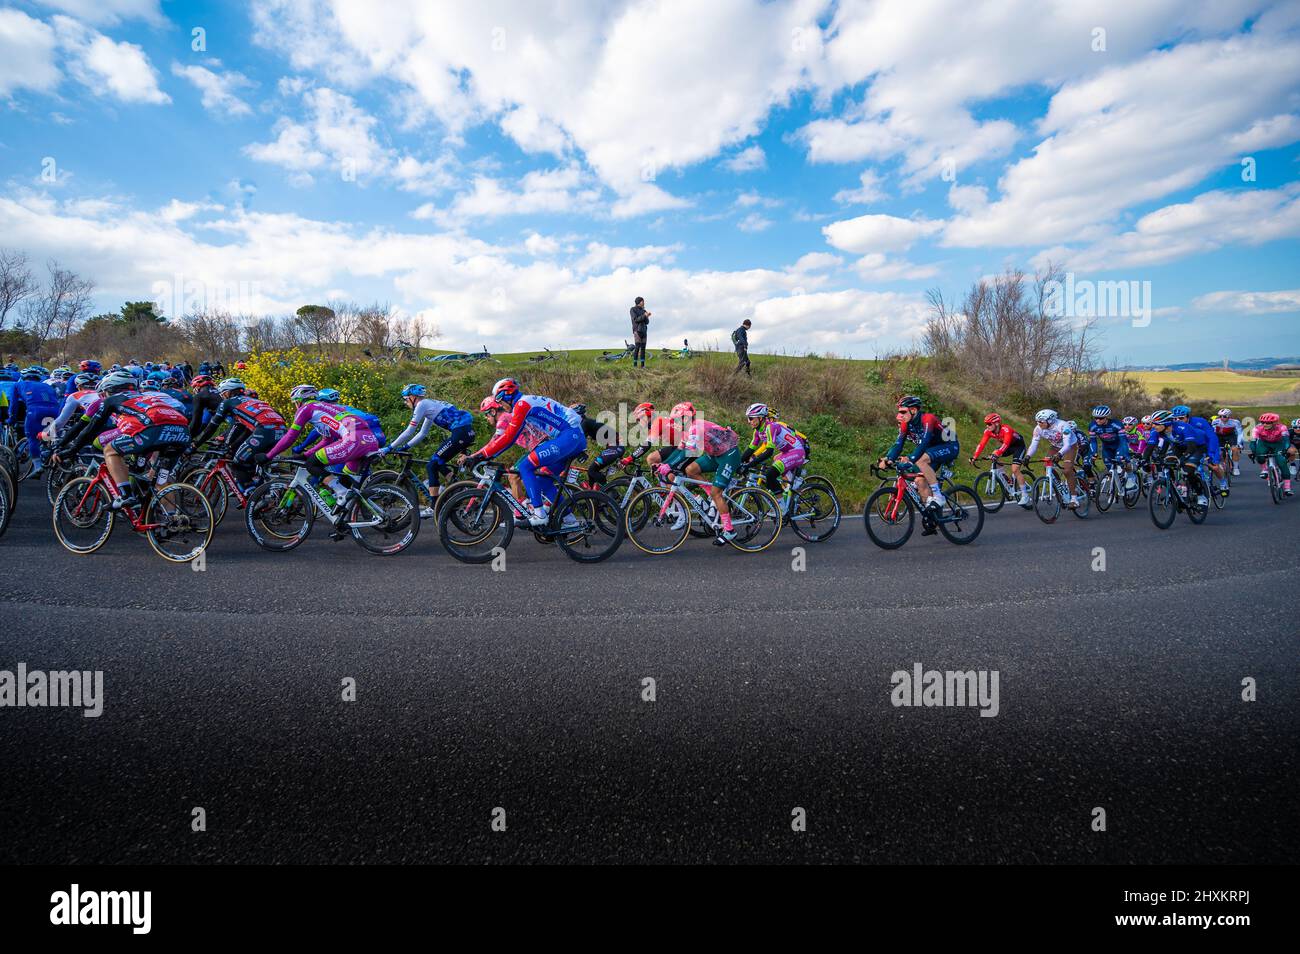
1249,364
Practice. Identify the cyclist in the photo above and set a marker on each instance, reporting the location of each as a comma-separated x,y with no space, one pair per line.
705,448
776,446
143,423
1272,439
1108,438
1180,437
33,405
426,413
349,441
1063,438
603,437
1293,452
254,426
494,411
1231,435
204,403
81,396
556,433
1207,436
661,436
932,448
1009,442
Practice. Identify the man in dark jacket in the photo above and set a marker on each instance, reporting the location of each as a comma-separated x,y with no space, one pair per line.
740,338
640,325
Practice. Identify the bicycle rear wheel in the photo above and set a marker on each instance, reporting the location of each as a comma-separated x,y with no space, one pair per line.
83,515
962,516
7,485
601,523
756,517
1163,500
385,519
654,523
4,502
814,511
278,516
473,524
185,522
209,481
889,522
1047,504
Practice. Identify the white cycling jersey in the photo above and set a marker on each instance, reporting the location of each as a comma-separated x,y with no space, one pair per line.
1058,435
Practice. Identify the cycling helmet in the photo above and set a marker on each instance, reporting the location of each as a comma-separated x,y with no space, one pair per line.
231,385
148,365
506,390
1101,410
1268,417
488,405
200,381
414,390
993,420
116,381
1146,418
303,392
643,410
909,401
328,394
758,410
1161,418
240,366
32,374
1225,412
580,409
1129,421
1071,426
62,373
91,367
84,381
1046,417
158,376
684,409
149,384
1180,410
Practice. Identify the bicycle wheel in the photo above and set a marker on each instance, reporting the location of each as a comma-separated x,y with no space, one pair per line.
278,516
25,464
7,485
991,492
600,526
1218,496
1084,505
889,522
1132,491
814,511
9,459
756,518
384,519
1163,500
445,494
473,524
55,478
1047,504
1196,511
962,516
1274,484
654,523
83,517
1106,492
184,519
214,489
4,504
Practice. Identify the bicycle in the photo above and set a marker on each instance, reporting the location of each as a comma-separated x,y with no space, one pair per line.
890,512
995,487
809,505
16,444
1115,485
280,514
1050,489
173,514
1172,492
548,356
616,355
476,523
1274,477
404,476
671,509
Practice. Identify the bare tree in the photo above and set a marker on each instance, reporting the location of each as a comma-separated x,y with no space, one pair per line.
211,334
16,282
60,309
375,327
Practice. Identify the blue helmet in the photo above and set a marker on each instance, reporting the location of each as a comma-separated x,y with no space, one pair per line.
33,374
1180,410
328,394
159,376
414,390
1101,410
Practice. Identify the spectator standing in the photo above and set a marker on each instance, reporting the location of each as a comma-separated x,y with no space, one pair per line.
740,338
640,327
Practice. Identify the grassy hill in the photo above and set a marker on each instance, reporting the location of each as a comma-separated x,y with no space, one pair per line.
1224,387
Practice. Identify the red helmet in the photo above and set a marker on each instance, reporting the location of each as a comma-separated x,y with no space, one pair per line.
507,388
993,420
684,409
489,404
240,366
643,410
1269,418
200,381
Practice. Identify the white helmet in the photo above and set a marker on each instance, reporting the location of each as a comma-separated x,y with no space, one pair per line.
1046,417
757,410
303,392
116,381
230,384
1225,412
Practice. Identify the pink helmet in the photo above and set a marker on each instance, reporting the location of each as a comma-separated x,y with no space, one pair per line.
489,403
684,409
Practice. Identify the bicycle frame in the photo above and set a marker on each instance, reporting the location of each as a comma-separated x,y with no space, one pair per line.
102,478
302,481
680,486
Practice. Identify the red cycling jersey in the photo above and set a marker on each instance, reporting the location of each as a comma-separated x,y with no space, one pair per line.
1005,434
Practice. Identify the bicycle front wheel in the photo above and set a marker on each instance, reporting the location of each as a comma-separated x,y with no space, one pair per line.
654,523
278,516
474,524
962,516
1274,485
385,519
1163,499
181,521
1106,493
756,518
600,526
889,519
83,515
991,492
1047,505
209,482
814,511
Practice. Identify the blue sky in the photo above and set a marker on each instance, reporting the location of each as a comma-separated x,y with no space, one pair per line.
514,174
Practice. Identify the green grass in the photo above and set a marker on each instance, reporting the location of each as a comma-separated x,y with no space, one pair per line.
1223,387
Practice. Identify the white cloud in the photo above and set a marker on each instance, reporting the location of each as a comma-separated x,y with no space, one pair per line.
292,148
108,12
534,132
754,222
877,267
878,233
834,140
26,54
101,64
602,257
868,192
747,160
1250,303
816,262
541,246
217,89
563,190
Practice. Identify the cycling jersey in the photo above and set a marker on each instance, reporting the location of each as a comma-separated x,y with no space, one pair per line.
244,413
923,430
323,416
706,438
778,440
538,419
1273,434
1229,431
428,413
131,413
662,434
1058,435
206,402
1007,438
75,402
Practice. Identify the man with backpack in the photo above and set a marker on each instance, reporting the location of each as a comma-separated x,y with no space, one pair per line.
740,339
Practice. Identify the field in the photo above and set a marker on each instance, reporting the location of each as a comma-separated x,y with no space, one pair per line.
1226,387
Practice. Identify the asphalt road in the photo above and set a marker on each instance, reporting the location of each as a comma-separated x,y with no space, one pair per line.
522,690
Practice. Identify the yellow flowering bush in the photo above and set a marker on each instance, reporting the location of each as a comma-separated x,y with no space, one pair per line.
273,374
